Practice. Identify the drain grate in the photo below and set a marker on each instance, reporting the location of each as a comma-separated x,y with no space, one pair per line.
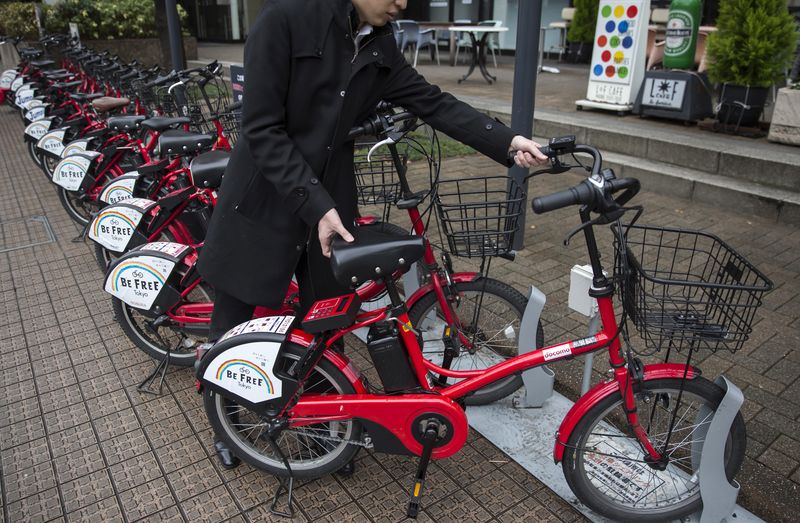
25,232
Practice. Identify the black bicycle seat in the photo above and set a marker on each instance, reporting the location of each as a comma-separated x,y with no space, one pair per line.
207,169
162,123
182,142
125,123
373,255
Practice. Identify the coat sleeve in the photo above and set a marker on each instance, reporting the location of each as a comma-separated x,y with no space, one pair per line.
267,64
407,88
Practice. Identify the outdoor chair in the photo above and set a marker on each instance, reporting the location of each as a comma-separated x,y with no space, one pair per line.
567,14
462,39
493,40
419,39
399,35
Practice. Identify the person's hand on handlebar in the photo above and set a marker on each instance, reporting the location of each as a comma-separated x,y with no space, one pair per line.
527,152
329,226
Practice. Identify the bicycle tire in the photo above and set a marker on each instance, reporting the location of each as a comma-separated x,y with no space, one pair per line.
35,156
75,207
129,320
661,393
224,414
496,294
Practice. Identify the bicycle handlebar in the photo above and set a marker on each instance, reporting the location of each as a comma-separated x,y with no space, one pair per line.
378,124
596,192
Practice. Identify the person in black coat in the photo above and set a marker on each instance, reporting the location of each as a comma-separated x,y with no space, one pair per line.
313,70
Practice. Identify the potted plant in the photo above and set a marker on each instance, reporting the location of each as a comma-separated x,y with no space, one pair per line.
580,35
751,49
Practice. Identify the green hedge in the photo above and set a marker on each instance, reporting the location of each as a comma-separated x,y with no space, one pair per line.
106,19
583,24
18,19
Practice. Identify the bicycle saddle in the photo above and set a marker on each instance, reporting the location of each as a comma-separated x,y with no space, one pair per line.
207,169
125,123
85,97
105,104
181,142
373,255
162,123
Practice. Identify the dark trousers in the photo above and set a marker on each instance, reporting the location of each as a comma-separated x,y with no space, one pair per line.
314,278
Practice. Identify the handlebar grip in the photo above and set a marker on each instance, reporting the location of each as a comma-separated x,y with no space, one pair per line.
630,186
580,194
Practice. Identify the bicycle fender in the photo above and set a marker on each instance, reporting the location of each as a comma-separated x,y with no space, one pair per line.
605,389
458,277
243,364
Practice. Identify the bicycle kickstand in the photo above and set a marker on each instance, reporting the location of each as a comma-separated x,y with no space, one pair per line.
428,441
82,236
286,484
160,373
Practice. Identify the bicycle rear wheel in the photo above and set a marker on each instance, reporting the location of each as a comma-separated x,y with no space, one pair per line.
312,450
604,464
495,336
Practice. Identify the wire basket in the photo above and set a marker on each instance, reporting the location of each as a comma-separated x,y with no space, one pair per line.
687,289
376,180
479,216
231,125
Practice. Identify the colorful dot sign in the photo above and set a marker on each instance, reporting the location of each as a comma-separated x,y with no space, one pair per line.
615,43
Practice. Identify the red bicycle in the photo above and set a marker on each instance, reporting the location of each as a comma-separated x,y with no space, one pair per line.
286,402
468,321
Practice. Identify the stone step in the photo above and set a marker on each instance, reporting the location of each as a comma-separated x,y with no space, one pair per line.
743,196
727,157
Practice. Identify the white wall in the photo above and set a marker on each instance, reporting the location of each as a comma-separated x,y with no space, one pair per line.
506,10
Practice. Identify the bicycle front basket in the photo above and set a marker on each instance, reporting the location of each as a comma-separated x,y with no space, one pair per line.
687,289
376,180
479,216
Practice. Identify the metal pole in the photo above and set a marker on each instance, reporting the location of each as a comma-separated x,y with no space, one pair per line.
529,21
175,39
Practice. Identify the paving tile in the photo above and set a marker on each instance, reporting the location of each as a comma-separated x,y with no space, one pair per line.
163,408
212,505
79,463
100,385
116,424
107,510
72,439
15,375
146,499
778,461
125,446
252,489
19,411
14,359
197,478
25,456
170,515
321,496
21,432
459,507
368,476
57,380
115,401
135,471
41,507
350,513
496,492
29,481
81,353
164,433
529,509
66,418
86,490
61,399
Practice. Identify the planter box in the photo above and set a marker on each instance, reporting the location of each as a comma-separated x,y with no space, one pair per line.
785,126
146,50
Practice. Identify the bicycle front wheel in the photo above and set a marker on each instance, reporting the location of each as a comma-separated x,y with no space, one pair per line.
604,464
490,313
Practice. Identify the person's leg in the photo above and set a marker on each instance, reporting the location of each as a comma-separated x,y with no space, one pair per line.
315,281
228,312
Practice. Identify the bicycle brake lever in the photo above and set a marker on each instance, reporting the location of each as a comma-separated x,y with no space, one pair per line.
387,141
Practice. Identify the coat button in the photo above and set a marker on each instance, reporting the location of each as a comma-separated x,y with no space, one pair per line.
318,51
330,148
314,181
488,127
300,191
298,247
374,53
341,94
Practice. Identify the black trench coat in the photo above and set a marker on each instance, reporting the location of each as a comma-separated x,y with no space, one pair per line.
304,89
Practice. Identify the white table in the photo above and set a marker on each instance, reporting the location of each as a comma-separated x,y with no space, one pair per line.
478,47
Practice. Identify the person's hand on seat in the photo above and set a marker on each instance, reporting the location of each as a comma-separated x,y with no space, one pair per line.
329,226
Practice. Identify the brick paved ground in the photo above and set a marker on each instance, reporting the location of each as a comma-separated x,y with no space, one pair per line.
79,443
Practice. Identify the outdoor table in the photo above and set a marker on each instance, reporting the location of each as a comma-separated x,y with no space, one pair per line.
478,47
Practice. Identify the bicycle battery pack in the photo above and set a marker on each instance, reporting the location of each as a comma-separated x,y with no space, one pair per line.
390,358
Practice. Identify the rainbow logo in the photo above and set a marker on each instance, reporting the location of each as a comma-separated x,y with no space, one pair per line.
113,190
133,265
248,364
111,214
